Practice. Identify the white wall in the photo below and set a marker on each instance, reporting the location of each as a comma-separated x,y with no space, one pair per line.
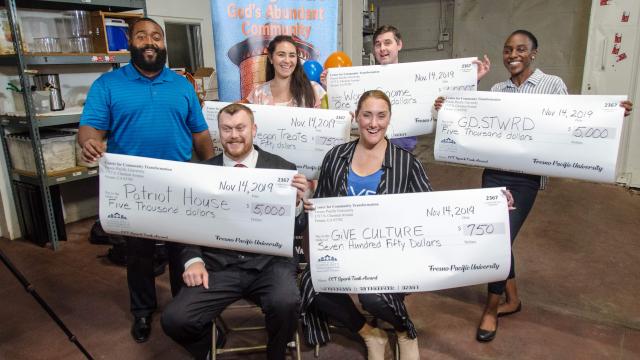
605,75
350,30
187,12
481,27
419,24
631,166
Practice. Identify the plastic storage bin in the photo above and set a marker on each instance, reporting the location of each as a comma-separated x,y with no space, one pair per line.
58,150
117,34
79,160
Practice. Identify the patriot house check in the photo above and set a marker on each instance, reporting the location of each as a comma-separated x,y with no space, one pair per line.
300,135
249,210
409,242
411,87
572,136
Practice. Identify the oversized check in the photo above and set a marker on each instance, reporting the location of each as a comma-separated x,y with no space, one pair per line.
249,210
409,242
573,136
411,87
300,135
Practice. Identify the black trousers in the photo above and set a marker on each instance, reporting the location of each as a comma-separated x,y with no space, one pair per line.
141,275
524,188
341,308
187,319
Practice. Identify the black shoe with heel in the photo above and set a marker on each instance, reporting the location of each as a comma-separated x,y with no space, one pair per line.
483,335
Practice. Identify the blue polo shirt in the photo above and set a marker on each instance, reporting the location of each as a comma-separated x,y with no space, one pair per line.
145,117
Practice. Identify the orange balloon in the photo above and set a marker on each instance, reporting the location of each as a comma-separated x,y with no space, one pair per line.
337,59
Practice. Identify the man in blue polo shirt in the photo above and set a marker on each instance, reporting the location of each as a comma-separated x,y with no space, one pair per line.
145,109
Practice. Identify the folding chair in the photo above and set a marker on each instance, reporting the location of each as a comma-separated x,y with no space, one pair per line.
295,344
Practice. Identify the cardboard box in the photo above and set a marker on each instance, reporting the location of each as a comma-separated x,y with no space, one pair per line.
6,38
206,80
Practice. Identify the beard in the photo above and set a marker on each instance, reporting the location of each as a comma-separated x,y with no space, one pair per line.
241,149
139,59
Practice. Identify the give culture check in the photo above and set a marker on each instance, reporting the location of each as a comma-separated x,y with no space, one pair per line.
409,242
411,87
250,210
300,135
573,136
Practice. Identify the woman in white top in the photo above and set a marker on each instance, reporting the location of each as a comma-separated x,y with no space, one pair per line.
287,84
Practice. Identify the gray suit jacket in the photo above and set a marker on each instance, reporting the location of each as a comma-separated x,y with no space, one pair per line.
218,259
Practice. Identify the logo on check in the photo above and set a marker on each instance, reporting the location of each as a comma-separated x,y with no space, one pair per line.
327,263
116,216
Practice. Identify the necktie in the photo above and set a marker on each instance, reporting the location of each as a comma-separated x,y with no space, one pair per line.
238,165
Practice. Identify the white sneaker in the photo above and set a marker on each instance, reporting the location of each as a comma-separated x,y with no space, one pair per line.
409,349
376,341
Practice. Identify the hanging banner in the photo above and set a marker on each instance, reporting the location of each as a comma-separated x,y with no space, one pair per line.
250,210
409,242
572,136
300,135
411,87
242,30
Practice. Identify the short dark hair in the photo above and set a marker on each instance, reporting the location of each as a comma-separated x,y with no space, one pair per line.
233,108
133,24
385,29
528,34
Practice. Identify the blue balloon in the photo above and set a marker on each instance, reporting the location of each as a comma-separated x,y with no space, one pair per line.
313,69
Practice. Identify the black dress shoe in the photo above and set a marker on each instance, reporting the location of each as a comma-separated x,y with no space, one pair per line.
501,314
141,329
483,335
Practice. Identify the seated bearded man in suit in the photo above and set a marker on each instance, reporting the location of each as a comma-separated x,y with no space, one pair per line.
215,278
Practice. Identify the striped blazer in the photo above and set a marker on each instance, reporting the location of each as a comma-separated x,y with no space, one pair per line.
402,173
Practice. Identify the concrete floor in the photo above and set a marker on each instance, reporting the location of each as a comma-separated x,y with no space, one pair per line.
577,264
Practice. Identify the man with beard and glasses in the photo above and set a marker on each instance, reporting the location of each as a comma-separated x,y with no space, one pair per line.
216,278
145,109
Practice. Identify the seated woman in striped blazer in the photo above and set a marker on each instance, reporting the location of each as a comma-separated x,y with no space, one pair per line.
366,166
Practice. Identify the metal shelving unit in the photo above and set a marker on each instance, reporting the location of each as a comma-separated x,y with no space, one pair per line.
109,5
52,179
32,122
41,121
61,59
